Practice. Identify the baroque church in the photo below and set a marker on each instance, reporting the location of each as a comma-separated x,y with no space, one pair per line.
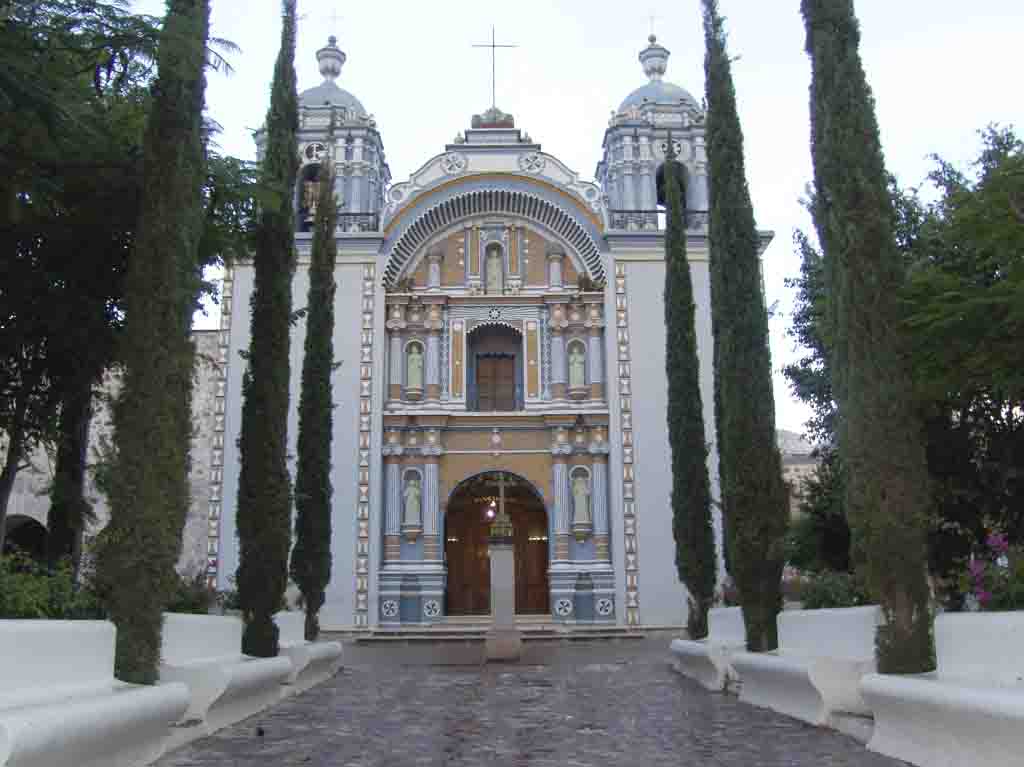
501,340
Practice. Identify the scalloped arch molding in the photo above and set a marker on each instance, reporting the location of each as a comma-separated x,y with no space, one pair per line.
487,202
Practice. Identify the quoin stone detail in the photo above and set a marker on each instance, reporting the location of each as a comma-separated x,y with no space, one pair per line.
362,562
629,521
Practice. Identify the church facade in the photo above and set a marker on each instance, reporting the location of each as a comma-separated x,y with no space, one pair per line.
500,334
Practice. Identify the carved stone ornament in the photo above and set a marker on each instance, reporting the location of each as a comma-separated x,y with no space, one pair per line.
453,163
531,162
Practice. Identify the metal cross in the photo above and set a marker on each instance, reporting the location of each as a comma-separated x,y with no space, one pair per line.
653,18
493,45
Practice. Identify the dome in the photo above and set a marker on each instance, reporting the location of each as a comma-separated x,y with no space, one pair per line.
331,59
657,92
328,93
654,59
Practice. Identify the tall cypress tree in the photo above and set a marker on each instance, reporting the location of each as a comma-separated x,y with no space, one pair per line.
264,488
880,429
755,501
149,492
311,557
691,489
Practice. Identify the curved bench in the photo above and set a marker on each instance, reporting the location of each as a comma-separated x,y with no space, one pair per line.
707,661
312,662
816,672
225,686
969,711
60,705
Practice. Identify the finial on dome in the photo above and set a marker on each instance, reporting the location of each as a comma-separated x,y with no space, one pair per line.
654,59
331,59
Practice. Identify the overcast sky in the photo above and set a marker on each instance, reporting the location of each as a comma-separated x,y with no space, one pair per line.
940,70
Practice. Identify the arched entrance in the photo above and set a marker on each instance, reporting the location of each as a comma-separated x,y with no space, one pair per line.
26,535
467,522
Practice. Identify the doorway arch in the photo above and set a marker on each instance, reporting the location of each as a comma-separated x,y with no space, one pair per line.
468,517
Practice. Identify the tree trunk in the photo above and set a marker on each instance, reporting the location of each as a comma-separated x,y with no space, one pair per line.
69,508
15,454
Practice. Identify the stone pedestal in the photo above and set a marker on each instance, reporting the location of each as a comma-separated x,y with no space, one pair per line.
504,641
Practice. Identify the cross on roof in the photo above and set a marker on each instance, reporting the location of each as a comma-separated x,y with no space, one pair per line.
493,45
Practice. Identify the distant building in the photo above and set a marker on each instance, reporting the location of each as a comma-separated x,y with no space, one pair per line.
798,465
30,502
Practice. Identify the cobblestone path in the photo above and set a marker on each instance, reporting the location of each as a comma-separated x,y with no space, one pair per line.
567,705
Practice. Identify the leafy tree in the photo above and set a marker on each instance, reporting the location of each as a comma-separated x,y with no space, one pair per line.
149,496
691,489
886,490
755,500
311,557
264,487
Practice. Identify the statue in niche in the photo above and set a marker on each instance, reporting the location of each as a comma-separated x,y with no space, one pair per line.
414,362
577,367
494,271
581,500
412,495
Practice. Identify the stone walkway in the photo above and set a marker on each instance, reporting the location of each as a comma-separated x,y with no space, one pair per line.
567,705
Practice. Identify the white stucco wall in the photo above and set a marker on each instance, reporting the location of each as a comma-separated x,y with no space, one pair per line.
337,612
662,596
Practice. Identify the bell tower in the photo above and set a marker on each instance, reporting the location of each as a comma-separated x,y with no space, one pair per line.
636,144
335,127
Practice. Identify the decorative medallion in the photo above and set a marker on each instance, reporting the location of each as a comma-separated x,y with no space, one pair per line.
314,152
389,608
494,314
532,162
604,607
676,144
431,608
563,607
453,163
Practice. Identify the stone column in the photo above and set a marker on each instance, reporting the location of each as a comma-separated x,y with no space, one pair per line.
599,503
559,369
595,361
555,257
434,258
562,507
397,362
434,365
392,508
431,510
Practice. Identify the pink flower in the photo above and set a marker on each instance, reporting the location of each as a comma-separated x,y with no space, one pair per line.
998,543
984,597
976,568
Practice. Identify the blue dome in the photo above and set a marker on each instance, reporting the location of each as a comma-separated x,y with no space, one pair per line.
328,93
657,92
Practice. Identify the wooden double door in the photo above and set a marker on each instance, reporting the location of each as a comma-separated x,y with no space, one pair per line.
495,382
469,565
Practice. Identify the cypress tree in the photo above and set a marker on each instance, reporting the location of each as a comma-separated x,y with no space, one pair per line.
691,489
879,426
311,557
149,491
755,501
264,488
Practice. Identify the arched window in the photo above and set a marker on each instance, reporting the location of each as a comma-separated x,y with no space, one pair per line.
309,194
494,269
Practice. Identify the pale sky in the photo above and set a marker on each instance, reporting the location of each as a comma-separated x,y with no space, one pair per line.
940,69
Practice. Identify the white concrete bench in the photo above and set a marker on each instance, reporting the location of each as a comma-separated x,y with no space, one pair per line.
968,712
225,686
60,705
312,662
707,660
816,672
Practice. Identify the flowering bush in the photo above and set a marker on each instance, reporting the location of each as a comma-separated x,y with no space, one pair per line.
994,579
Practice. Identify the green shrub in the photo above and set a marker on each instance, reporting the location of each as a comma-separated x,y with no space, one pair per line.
192,596
832,589
28,590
